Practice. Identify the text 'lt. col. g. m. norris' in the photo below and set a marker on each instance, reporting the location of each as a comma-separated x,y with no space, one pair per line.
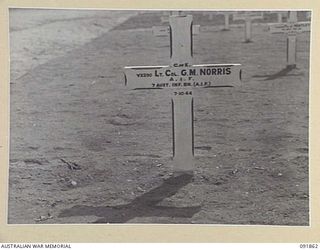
209,75
181,76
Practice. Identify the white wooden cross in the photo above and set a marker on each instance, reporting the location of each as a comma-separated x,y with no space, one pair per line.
226,18
226,15
180,78
292,27
280,14
248,17
209,14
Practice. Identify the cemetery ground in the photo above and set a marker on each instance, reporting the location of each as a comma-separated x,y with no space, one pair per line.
85,149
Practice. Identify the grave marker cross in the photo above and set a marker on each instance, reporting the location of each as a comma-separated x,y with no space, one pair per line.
226,15
248,17
226,21
280,14
181,77
292,27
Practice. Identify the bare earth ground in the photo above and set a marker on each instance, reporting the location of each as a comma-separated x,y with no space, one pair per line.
84,149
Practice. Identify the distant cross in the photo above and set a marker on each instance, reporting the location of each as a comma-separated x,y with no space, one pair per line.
209,14
248,17
292,27
226,15
280,15
226,21
181,77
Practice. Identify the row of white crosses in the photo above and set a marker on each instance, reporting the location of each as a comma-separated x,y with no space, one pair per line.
180,78
247,16
292,27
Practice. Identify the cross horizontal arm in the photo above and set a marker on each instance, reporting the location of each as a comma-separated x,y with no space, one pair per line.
161,77
290,27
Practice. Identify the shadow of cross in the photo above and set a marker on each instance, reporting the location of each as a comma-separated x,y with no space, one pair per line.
142,206
282,73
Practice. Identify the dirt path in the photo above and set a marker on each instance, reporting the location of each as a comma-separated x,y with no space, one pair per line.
251,141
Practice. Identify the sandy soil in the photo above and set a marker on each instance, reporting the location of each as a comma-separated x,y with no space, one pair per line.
38,36
84,149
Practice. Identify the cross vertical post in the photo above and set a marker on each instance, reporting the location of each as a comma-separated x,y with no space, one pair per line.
291,51
226,21
279,17
247,30
181,40
292,42
182,106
